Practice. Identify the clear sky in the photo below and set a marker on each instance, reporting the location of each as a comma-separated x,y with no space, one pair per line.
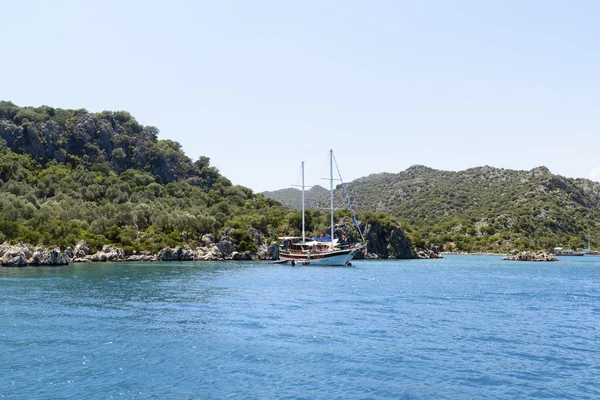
259,86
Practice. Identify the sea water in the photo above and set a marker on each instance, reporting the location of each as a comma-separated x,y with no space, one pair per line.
463,327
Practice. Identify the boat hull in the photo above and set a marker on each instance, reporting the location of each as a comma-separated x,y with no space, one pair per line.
337,258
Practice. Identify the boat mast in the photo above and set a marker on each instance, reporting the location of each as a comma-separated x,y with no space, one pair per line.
589,248
303,234
331,191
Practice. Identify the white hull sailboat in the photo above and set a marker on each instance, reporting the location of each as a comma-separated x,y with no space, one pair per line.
317,253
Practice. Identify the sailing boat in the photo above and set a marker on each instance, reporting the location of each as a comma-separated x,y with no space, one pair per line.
589,251
322,251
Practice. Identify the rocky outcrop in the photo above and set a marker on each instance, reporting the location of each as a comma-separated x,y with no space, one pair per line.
400,246
262,253
108,254
225,247
376,243
211,254
392,244
48,257
80,253
428,253
81,249
246,256
274,251
530,256
208,240
255,235
140,257
177,253
382,244
14,256
21,255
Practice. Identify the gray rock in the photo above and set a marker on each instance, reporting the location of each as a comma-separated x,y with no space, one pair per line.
427,253
382,244
200,252
21,255
530,256
246,256
17,255
400,245
274,251
140,257
376,243
108,254
14,257
49,257
255,234
262,253
208,240
225,247
81,249
69,252
213,254
176,253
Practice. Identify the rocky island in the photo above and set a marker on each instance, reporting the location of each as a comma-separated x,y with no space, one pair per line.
543,256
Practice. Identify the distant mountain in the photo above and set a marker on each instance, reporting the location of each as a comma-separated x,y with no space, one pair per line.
480,209
315,197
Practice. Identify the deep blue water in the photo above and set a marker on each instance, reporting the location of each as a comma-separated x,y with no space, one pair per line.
464,327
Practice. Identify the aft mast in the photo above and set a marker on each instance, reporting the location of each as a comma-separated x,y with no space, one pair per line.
589,249
303,187
303,234
331,191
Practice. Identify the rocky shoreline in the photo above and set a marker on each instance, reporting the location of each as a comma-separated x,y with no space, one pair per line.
21,255
381,244
464,253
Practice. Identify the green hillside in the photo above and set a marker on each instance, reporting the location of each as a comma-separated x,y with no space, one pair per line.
314,197
484,208
70,175
67,175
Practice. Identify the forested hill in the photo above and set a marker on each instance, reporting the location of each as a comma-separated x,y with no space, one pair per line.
292,197
484,208
67,175
115,139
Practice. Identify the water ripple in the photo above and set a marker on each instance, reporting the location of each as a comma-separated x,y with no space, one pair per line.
461,327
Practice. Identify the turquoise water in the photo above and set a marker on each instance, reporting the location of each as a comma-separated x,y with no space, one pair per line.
464,327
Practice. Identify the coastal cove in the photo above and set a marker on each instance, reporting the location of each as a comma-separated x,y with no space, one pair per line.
458,327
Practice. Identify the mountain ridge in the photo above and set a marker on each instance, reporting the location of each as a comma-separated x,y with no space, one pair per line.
480,208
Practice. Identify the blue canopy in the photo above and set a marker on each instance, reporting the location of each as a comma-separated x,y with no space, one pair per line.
323,239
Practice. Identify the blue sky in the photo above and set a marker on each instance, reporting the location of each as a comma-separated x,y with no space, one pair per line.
260,86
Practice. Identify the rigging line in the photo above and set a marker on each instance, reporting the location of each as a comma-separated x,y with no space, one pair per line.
348,199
